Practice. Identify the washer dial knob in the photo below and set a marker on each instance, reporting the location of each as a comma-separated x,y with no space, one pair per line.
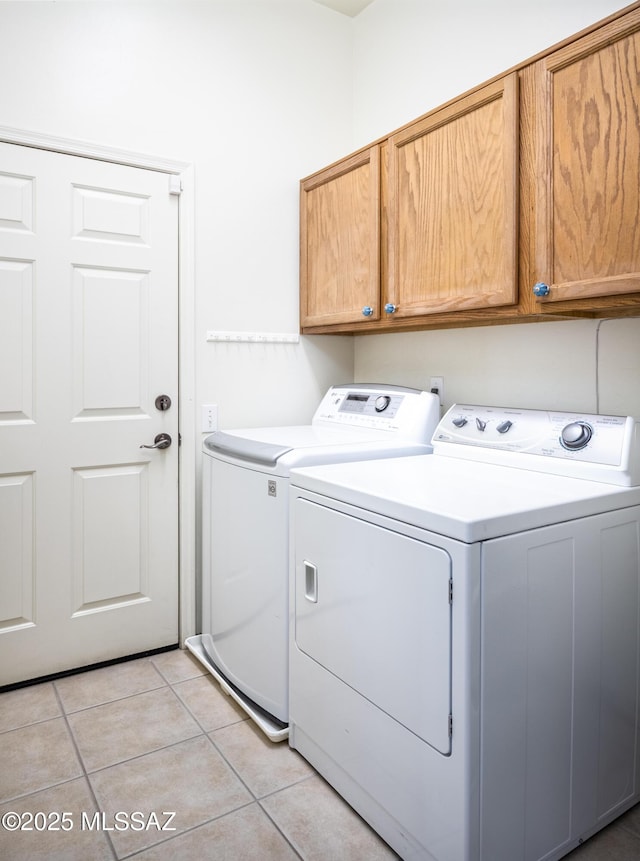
382,402
576,435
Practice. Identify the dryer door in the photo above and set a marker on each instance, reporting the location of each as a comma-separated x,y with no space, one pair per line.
372,607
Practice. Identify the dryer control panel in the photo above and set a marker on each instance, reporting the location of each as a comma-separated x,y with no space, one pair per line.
581,445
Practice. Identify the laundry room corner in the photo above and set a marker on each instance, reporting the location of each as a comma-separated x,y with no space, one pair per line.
320,430
579,364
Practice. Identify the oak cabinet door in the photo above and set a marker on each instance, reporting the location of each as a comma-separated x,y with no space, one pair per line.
587,185
340,242
453,206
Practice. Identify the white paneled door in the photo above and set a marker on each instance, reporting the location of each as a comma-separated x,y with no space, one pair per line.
88,341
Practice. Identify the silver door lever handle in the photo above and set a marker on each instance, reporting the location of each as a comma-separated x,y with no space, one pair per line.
162,440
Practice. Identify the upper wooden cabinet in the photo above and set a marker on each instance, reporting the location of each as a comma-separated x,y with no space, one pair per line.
517,201
452,208
587,171
424,223
340,242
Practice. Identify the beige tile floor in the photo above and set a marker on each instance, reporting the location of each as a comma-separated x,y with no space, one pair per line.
156,736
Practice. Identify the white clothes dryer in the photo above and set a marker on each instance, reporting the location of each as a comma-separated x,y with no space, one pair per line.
465,640
245,615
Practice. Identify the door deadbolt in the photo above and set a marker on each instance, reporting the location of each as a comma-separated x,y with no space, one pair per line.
163,402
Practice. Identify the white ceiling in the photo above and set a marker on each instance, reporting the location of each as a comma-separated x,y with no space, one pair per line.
347,7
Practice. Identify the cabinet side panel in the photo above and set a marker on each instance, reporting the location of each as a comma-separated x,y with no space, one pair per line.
618,714
527,666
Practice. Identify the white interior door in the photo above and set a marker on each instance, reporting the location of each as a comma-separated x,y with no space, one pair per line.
88,340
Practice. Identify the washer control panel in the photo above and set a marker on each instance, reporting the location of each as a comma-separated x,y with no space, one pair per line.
404,411
363,404
508,436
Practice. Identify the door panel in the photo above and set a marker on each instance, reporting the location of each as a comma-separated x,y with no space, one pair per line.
587,198
340,242
110,530
110,216
16,543
453,193
372,607
107,301
88,339
16,339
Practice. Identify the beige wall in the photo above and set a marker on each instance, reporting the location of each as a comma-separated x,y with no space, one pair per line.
589,366
410,57
258,93
253,93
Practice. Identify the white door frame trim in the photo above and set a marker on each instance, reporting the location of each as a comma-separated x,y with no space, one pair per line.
186,291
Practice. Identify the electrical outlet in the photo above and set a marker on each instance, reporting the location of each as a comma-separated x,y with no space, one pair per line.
436,385
209,418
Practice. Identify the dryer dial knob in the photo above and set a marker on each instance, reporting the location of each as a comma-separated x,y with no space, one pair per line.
504,426
382,402
576,435
460,422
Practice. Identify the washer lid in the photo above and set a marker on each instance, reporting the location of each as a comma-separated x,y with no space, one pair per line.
254,450
281,448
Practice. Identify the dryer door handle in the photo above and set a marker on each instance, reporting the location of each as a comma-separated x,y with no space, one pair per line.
310,582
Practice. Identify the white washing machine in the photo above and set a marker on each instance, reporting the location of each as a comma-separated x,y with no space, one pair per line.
245,614
464,664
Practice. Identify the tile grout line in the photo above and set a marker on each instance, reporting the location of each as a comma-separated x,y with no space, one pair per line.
256,799
272,820
87,773
628,830
82,765
202,733
163,683
188,830
115,700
